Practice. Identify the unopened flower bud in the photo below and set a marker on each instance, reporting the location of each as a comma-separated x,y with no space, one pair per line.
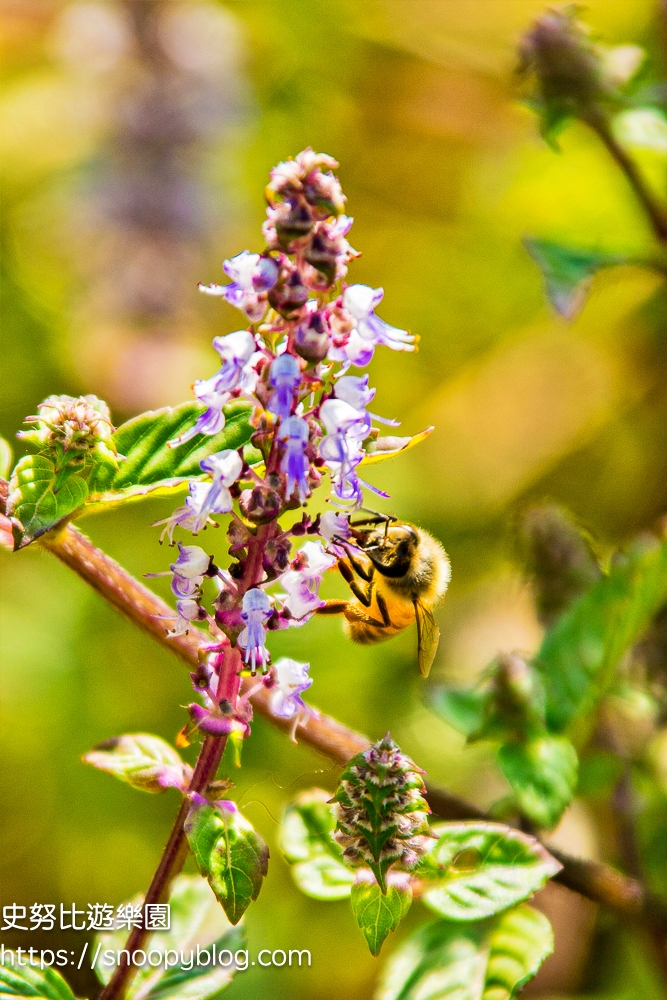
289,296
75,429
567,67
311,340
260,504
293,222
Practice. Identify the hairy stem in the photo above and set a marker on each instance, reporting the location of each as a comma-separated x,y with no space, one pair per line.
597,881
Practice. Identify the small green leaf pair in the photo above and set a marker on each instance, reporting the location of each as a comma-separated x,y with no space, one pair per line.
471,872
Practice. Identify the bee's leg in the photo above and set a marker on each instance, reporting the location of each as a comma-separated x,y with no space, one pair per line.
365,572
333,608
365,596
383,609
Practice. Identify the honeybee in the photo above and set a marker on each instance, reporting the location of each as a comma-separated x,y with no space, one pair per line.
398,573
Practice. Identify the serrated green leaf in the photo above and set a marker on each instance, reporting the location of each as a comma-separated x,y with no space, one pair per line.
196,921
377,914
150,465
389,447
492,960
519,942
229,853
579,657
31,981
476,870
144,761
568,272
543,776
307,841
35,500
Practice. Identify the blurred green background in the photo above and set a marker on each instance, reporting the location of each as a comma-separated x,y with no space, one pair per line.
137,137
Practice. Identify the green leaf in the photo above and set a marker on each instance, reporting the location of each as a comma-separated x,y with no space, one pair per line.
377,913
196,922
31,981
462,709
476,870
307,841
543,776
144,761
492,960
579,657
231,855
37,502
150,465
389,447
568,272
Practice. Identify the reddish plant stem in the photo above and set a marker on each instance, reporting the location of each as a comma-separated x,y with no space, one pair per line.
176,849
593,879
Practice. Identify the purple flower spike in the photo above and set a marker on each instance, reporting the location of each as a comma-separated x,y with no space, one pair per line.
285,377
294,434
256,611
291,680
252,277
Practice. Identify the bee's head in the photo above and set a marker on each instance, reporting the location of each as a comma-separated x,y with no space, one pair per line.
391,549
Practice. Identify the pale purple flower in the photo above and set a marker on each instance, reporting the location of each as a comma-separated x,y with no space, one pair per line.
291,680
188,610
285,376
256,610
354,390
369,330
252,277
189,515
224,468
189,571
236,351
294,434
334,528
341,449
302,585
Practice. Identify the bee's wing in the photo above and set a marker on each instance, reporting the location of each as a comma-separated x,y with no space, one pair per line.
428,637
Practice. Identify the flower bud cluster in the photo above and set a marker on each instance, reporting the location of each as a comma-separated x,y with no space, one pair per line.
381,813
74,431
